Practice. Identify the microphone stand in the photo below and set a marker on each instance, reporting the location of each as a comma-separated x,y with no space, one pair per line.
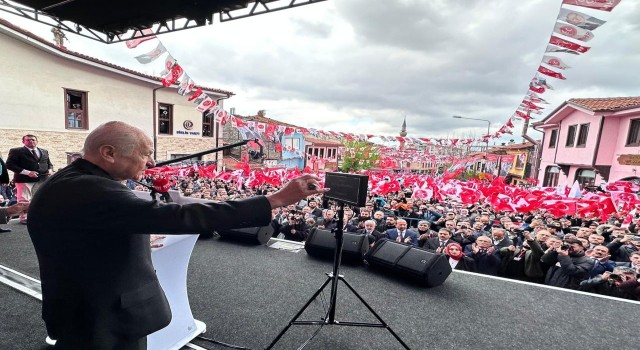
164,195
213,150
333,278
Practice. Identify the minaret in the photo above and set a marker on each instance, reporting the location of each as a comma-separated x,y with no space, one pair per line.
403,132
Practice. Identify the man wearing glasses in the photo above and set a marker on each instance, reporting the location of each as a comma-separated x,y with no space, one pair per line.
31,166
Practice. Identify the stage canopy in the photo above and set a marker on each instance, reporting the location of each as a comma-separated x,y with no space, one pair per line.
112,21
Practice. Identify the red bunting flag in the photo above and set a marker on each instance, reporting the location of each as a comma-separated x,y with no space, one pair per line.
523,115
135,42
195,95
151,55
510,123
554,62
568,44
549,72
572,31
172,76
602,5
206,105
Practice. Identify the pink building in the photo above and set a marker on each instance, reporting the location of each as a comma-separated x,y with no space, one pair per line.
592,140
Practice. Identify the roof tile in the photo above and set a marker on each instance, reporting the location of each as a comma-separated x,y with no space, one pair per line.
607,103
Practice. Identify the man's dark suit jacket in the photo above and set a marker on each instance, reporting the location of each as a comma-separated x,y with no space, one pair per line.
392,234
21,159
434,243
91,236
373,237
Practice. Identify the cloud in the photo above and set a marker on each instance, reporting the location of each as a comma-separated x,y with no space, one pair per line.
361,66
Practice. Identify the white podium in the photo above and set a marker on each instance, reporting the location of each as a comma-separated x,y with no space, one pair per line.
171,262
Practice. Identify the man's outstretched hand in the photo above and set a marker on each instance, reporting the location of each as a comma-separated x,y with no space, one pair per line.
296,190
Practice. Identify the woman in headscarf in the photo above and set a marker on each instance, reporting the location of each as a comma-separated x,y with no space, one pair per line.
457,259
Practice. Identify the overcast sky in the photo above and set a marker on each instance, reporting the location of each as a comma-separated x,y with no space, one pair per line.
360,66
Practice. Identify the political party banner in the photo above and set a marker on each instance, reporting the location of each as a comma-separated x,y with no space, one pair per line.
602,5
580,19
491,164
519,163
572,31
506,162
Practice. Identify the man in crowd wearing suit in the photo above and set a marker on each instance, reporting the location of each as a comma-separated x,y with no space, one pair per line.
401,234
437,244
31,166
107,296
370,231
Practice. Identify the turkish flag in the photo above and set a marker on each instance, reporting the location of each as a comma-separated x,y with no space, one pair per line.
586,207
606,207
622,186
559,207
469,195
500,202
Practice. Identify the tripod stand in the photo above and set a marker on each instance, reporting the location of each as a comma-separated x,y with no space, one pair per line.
334,277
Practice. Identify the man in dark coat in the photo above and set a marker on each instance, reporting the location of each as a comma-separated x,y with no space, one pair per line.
569,265
370,231
31,166
99,288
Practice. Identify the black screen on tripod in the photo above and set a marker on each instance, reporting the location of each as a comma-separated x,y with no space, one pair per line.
347,188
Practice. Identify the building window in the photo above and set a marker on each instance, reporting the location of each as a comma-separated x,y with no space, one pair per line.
582,135
551,175
207,124
292,143
571,135
633,138
331,153
553,139
75,109
586,177
165,119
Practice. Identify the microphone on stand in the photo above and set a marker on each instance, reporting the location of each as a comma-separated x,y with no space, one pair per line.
162,186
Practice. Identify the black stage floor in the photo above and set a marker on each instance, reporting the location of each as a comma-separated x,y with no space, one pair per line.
246,294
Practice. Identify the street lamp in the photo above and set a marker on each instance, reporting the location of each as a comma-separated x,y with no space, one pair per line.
483,120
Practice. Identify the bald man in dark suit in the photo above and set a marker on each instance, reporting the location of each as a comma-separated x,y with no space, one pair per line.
99,287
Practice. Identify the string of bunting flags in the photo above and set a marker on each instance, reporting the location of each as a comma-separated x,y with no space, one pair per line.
571,30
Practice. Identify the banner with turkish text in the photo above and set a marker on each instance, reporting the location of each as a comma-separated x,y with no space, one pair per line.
568,44
602,5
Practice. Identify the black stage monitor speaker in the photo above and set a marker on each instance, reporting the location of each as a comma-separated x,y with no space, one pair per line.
425,267
322,244
347,188
255,235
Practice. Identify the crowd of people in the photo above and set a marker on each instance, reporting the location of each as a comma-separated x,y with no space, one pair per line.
570,252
